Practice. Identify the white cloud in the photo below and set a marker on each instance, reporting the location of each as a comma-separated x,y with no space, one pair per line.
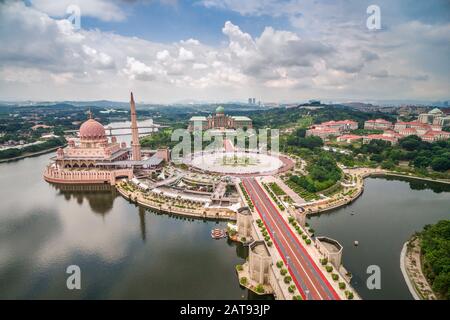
163,55
190,41
100,59
241,43
185,55
47,59
199,66
105,10
137,70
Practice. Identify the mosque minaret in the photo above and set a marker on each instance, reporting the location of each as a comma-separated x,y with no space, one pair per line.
135,145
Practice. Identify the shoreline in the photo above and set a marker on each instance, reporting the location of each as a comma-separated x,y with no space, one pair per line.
353,198
132,197
411,267
360,191
402,175
408,281
30,155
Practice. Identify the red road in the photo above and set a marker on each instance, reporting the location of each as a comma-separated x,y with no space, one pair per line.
309,280
228,145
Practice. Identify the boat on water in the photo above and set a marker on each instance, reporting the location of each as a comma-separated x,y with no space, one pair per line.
218,233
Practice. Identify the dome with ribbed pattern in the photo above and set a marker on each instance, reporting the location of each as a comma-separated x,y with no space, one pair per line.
92,130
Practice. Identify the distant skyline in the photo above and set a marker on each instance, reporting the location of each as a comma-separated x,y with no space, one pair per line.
276,51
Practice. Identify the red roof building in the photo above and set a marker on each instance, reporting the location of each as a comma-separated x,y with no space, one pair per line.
343,125
370,137
348,138
433,135
378,124
323,132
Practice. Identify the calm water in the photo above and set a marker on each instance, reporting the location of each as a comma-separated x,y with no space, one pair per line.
382,219
122,250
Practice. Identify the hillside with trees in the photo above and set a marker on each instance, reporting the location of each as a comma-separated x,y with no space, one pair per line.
435,244
46,145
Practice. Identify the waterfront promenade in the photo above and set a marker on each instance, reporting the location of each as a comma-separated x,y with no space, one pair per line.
173,206
411,266
308,278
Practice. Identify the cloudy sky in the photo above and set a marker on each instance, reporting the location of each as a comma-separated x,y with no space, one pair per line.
172,50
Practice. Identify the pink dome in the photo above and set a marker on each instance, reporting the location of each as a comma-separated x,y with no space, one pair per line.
92,129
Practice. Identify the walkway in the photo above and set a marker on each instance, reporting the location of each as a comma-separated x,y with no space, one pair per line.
228,145
168,181
291,193
411,266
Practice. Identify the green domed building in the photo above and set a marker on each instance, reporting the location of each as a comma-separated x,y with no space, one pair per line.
220,121
220,110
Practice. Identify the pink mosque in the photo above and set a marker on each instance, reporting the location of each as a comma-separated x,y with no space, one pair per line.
95,159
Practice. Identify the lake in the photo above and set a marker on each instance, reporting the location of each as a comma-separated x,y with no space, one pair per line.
385,216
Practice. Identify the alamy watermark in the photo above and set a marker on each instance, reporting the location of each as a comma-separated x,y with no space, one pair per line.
73,281
374,280
74,16
373,22
199,141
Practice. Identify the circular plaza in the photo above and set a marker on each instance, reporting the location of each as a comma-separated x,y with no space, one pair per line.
238,163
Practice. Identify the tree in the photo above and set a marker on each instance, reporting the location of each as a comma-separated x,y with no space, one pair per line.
410,142
259,288
434,240
388,164
300,132
376,157
375,146
310,142
421,162
440,164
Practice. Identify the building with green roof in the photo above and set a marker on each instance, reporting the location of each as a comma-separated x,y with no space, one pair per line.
220,121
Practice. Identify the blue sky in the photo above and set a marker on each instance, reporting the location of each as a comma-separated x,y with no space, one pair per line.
172,50
156,21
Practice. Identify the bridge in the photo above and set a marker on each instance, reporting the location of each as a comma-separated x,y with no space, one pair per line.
110,129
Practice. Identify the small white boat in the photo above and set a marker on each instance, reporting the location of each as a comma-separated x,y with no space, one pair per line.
356,243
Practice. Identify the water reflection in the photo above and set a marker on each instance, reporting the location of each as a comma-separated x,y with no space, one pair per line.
416,184
124,251
99,197
142,223
241,250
